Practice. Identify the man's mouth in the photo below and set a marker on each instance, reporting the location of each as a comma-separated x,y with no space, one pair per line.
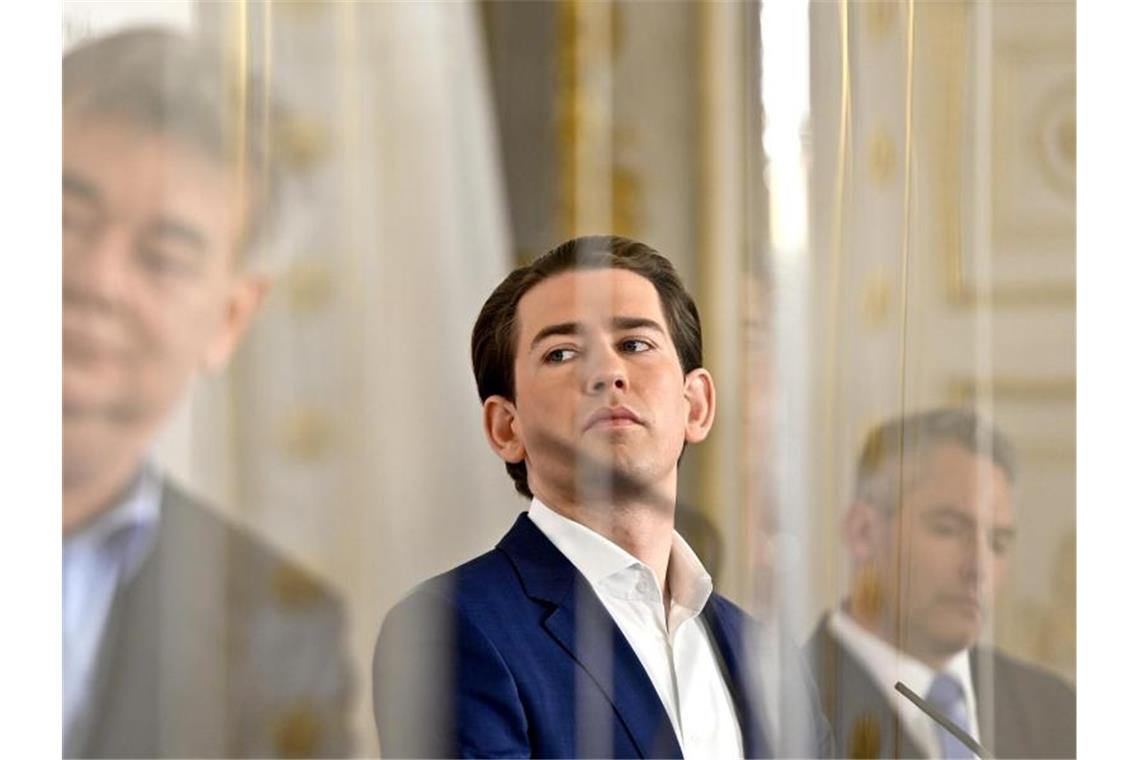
965,602
82,346
613,417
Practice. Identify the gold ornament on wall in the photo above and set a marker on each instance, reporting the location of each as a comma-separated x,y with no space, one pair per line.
308,285
867,593
302,142
305,434
297,732
293,588
876,301
865,739
302,10
882,157
1057,140
880,16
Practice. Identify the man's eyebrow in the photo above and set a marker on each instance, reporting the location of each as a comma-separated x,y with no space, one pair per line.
180,232
77,186
575,328
636,323
946,511
562,328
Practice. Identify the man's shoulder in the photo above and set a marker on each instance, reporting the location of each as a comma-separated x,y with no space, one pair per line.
238,623
489,580
838,673
735,618
192,531
1021,678
822,643
1033,711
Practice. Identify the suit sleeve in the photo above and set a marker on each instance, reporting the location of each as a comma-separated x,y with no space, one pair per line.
441,688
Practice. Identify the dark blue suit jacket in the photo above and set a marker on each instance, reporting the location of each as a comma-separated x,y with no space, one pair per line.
513,655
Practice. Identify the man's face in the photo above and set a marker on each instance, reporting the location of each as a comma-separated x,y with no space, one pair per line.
946,551
150,291
599,386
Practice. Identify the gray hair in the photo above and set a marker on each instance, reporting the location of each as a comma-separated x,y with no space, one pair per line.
173,84
894,450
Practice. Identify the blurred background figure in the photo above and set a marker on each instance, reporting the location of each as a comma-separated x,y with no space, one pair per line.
929,532
175,641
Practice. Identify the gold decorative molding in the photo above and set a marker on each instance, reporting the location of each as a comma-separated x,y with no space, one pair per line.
628,196
1013,109
945,35
1057,138
1052,390
1057,393
584,114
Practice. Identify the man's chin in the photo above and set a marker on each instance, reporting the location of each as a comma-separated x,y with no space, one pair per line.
613,478
956,635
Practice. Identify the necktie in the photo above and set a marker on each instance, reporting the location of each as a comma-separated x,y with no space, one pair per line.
946,694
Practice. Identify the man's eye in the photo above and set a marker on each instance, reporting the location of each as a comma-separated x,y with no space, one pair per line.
165,263
635,345
559,356
78,220
1000,543
943,528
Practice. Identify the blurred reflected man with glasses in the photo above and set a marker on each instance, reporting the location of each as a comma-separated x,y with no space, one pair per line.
183,634
929,533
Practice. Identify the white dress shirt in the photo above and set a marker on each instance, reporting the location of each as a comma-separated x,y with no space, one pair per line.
888,665
676,651
96,562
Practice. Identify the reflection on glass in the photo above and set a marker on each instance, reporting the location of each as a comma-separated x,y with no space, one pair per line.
272,307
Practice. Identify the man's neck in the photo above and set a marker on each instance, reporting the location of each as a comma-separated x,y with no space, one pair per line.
86,498
887,630
643,530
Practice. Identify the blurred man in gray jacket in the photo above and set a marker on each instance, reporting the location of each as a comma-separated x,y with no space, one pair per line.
183,634
929,533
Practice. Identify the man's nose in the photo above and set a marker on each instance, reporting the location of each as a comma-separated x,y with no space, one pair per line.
95,267
608,374
976,556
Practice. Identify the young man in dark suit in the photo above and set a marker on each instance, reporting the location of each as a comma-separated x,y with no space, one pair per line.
183,634
929,533
592,629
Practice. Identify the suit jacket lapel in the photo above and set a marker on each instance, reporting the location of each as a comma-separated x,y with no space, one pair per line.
990,704
579,622
160,687
734,667
864,721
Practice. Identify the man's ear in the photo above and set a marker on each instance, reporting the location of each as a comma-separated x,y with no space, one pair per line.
499,418
863,531
243,301
700,393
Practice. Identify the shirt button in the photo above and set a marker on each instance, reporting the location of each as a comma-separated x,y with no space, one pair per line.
643,586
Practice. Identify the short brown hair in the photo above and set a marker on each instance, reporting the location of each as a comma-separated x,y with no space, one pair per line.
174,84
494,339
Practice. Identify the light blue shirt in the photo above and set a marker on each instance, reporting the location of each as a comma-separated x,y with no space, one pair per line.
96,561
